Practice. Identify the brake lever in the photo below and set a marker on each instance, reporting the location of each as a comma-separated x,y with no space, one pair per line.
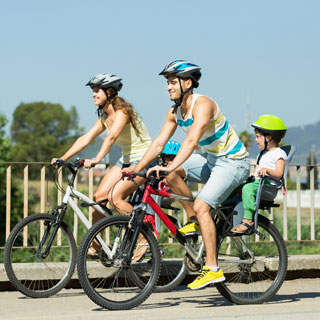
129,175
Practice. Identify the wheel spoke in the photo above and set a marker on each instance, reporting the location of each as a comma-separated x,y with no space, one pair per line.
111,282
30,274
258,281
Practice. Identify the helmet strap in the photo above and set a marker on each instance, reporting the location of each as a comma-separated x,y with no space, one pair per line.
100,111
179,101
265,148
109,98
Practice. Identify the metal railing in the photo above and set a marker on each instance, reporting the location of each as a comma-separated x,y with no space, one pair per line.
17,173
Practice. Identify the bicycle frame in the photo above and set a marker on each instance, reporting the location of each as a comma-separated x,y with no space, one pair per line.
148,200
67,199
196,256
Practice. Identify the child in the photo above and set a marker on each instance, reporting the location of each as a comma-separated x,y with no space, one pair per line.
269,131
170,150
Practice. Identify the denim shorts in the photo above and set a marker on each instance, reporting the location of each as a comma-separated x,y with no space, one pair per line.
134,163
126,165
221,175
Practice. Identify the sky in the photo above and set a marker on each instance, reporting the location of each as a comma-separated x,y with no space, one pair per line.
256,57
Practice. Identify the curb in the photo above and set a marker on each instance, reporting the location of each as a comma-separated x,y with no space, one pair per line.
299,267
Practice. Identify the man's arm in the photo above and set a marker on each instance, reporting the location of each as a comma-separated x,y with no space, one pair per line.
203,111
156,147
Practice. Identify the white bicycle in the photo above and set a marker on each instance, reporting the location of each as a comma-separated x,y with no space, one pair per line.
40,252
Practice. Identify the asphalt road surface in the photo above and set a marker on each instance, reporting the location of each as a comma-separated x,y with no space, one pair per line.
297,299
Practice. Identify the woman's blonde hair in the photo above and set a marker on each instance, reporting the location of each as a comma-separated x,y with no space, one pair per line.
119,103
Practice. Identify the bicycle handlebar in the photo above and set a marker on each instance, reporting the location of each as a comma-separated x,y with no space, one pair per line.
152,176
78,163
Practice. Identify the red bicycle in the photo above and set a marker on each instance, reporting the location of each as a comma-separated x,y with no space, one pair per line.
254,264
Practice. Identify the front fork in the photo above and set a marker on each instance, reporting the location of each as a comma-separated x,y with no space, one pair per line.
56,225
134,225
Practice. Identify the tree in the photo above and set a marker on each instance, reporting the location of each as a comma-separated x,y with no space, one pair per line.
5,144
42,130
246,138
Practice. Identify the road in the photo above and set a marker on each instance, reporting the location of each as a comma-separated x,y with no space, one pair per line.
297,299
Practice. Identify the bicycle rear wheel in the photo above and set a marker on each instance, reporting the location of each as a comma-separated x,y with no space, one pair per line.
29,272
113,283
258,280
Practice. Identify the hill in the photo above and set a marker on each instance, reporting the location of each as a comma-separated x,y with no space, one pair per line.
303,137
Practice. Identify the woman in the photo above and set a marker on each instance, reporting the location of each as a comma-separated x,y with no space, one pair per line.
124,127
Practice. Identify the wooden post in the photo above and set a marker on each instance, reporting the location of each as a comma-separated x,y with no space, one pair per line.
285,218
312,228
8,202
90,192
298,189
42,196
25,202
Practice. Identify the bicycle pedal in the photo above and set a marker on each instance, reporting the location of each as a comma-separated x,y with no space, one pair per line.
162,252
259,234
191,234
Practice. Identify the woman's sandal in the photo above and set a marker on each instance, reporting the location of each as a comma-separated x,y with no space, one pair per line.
243,228
93,254
140,251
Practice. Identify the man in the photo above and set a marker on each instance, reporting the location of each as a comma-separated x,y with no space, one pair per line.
222,166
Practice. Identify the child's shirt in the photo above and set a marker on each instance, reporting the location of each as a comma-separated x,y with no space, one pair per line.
269,158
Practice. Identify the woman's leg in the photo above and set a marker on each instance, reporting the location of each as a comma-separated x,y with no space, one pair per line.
106,184
119,193
117,199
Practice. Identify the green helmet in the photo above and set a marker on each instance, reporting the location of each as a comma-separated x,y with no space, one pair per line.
271,125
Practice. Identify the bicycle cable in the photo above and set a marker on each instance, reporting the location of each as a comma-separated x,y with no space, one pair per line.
111,195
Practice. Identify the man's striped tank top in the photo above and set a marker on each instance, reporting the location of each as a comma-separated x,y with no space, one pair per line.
219,138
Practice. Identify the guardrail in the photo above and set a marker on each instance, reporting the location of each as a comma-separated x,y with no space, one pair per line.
32,194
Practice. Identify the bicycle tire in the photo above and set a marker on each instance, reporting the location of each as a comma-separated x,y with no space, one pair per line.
259,281
112,284
32,275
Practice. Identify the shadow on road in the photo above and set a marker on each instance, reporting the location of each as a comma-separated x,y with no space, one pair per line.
284,298
207,299
60,295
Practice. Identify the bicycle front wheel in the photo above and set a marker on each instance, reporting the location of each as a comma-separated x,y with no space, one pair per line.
255,267
28,270
112,282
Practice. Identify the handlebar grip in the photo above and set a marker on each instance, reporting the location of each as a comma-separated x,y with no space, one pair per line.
161,174
59,162
133,174
81,163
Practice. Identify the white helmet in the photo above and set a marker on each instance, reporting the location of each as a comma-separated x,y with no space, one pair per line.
183,69
105,80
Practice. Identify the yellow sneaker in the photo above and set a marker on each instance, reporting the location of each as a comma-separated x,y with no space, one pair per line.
190,228
206,277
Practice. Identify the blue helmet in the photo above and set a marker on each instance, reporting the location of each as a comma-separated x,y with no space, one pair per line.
184,69
171,148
